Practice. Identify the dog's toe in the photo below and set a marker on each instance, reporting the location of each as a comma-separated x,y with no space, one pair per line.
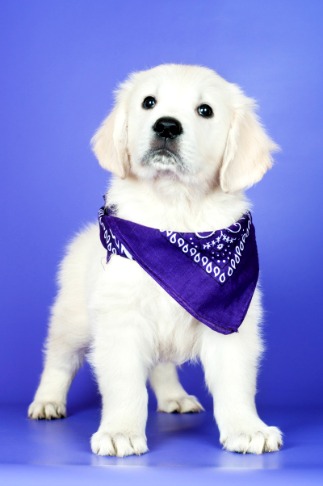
46,410
274,440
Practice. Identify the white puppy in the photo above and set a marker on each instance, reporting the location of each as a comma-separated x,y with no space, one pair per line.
182,144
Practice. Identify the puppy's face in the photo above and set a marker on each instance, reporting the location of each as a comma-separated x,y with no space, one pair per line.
188,123
178,123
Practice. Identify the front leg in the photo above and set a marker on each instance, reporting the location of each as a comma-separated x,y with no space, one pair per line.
230,364
119,357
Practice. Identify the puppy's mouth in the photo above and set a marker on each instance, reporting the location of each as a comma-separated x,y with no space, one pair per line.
164,160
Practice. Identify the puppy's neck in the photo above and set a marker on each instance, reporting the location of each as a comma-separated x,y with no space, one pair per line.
169,204
170,189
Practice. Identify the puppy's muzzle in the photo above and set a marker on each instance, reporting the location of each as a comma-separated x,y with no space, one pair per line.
167,127
163,154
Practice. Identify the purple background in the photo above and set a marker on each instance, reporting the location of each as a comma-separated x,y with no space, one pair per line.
60,61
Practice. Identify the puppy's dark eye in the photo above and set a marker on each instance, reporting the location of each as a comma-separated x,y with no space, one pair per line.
205,111
149,103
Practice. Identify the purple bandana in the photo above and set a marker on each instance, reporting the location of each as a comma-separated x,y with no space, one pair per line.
213,275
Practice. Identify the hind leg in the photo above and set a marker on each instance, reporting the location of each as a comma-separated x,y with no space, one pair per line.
69,330
171,396
67,341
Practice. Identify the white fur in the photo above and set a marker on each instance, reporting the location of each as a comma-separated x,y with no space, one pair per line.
133,328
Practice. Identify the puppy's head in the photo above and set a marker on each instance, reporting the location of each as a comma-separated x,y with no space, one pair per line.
184,122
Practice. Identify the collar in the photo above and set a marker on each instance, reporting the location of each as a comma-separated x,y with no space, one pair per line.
213,274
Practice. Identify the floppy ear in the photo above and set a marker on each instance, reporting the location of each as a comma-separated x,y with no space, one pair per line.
110,142
247,155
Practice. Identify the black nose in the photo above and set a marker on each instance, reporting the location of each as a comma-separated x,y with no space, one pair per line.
167,127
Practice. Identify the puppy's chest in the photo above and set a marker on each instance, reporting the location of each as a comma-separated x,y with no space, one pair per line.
176,331
173,330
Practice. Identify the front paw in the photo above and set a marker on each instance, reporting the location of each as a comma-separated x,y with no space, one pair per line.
266,439
118,444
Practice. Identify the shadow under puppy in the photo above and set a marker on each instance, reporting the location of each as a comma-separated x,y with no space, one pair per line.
180,280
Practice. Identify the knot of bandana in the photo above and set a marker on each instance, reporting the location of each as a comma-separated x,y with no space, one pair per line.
213,274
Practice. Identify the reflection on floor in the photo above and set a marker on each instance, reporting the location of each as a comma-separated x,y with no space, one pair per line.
184,449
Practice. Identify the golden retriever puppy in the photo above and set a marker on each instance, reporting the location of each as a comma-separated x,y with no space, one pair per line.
176,276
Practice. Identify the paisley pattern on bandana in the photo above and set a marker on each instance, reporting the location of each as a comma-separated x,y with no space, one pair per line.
217,252
111,242
213,275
